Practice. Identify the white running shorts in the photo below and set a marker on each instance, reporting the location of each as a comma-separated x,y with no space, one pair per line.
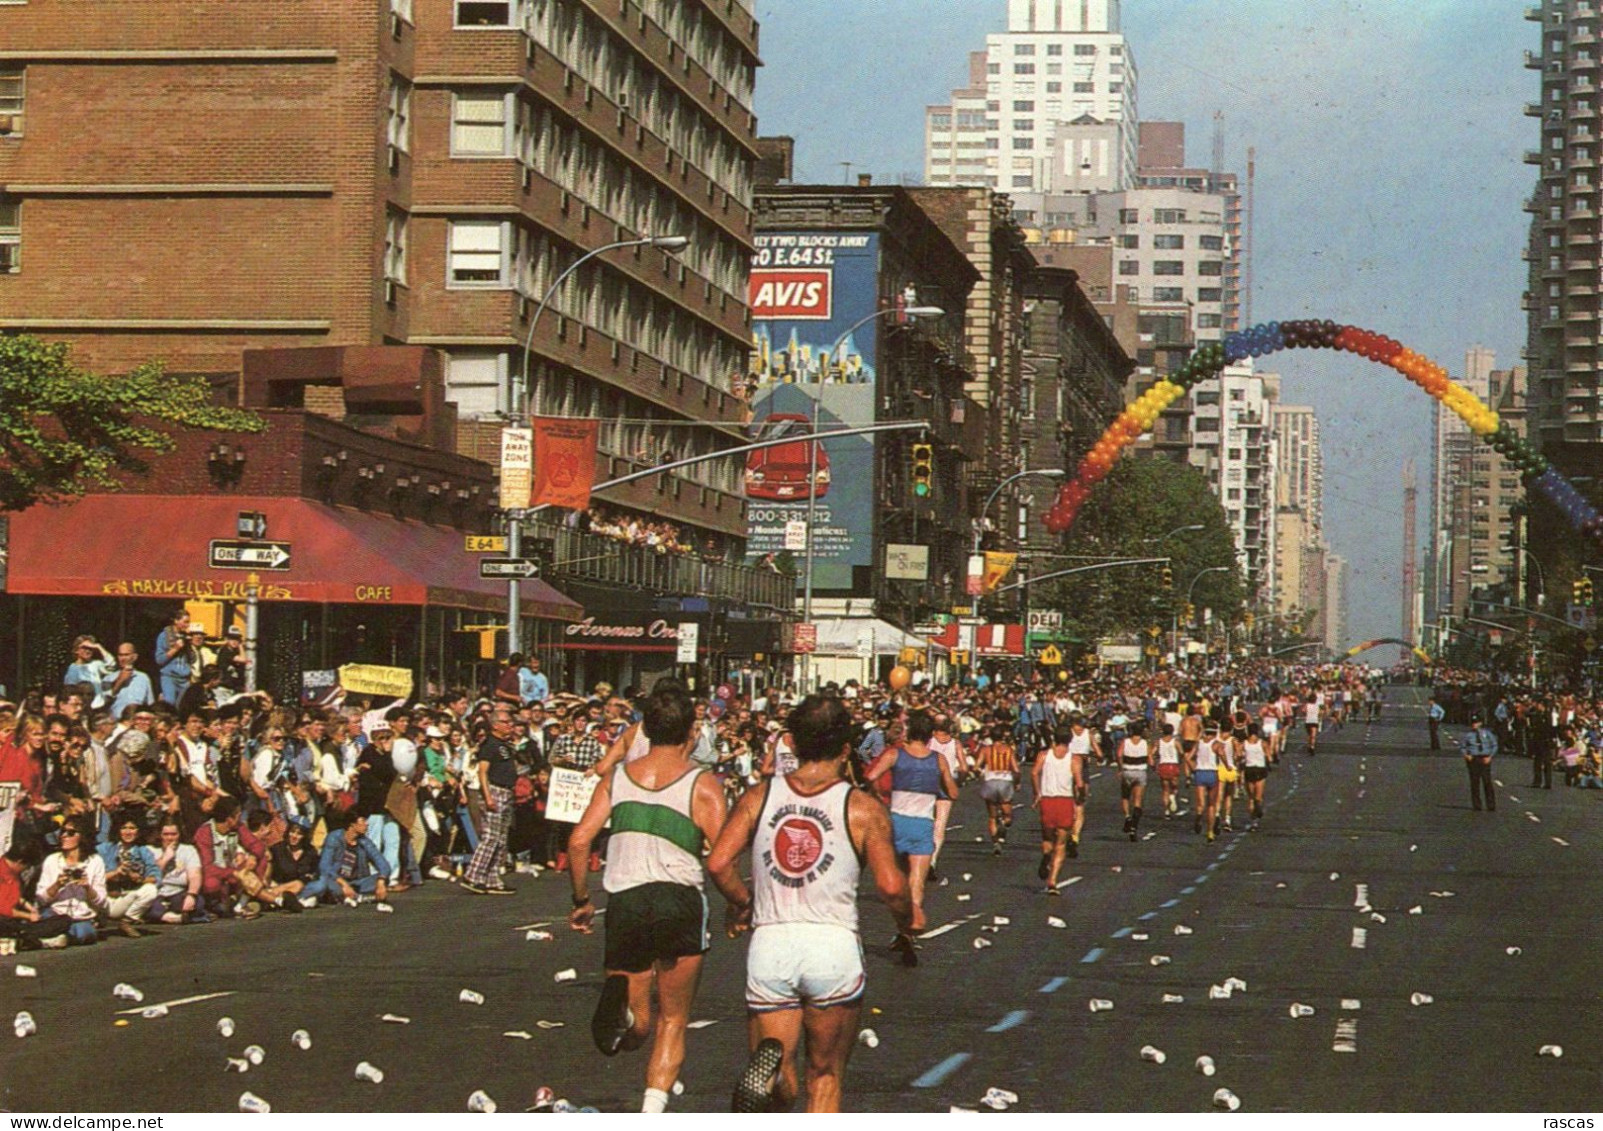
794,964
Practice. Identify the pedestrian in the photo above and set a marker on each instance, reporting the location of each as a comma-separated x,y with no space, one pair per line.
804,969
1478,748
664,811
498,777
1434,714
172,656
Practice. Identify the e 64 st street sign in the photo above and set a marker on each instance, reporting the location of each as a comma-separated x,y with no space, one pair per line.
508,569
229,553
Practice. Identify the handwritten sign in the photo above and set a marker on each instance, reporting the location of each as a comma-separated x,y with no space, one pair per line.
569,795
371,679
9,792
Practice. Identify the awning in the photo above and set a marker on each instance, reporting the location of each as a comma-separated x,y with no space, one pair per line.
851,636
160,546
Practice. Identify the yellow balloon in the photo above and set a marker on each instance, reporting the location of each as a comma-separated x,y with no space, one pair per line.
899,678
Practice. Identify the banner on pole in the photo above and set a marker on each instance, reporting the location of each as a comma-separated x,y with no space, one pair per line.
565,462
997,567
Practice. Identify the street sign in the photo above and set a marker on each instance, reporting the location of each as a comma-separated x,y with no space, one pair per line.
1043,620
485,544
796,534
517,468
508,569
1051,656
689,637
806,638
907,563
228,553
252,525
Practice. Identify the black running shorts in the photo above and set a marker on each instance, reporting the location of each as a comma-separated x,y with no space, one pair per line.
655,921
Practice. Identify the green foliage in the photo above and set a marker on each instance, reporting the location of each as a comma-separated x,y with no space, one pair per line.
1133,509
65,431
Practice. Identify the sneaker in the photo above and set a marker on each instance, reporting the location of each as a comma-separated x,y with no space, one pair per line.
172,917
1133,837
1074,847
439,873
251,910
935,877
1045,868
1127,827
383,906
468,885
57,943
309,902
1196,826
127,929
612,1020
908,949
755,1091
1210,836
350,902
996,848
1051,889
498,889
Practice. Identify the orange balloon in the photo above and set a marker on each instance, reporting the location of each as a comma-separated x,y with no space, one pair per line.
899,678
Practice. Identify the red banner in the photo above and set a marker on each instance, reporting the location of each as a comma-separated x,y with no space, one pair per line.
564,462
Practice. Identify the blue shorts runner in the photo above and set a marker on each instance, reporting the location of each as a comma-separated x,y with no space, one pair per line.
913,836
1205,778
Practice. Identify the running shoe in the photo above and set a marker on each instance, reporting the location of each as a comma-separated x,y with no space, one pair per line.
1074,847
1045,868
755,1091
610,1024
1133,836
1051,889
996,848
1210,836
907,948
1196,826
469,885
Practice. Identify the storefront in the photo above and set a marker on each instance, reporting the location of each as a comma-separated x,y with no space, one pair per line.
335,585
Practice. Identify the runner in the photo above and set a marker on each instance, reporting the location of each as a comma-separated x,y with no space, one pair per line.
1058,778
1134,758
1169,771
664,810
999,774
957,762
918,777
1255,770
1083,744
1229,749
1203,762
1269,727
1310,721
810,835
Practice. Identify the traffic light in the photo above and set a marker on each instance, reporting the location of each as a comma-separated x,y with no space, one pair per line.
1577,591
1191,614
1248,619
923,471
1585,587
1168,577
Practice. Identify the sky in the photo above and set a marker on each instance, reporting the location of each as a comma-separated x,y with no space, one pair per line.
1388,138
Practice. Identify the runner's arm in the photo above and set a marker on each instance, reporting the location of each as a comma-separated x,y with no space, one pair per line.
614,756
579,842
948,782
885,761
722,864
870,826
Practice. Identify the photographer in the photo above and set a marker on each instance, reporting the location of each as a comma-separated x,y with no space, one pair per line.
131,876
72,882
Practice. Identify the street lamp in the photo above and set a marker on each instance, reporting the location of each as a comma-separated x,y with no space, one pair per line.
812,449
518,409
979,525
1190,589
1176,530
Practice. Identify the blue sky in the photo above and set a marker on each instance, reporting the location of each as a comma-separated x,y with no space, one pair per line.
1389,140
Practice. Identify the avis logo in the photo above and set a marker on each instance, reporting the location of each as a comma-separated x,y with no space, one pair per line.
790,294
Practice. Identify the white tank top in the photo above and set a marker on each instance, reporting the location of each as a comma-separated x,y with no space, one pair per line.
639,746
655,839
804,867
1168,752
1081,744
1057,774
1134,752
1207,757
1252,754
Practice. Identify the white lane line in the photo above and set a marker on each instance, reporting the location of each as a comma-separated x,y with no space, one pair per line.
1360,895
937,932
177,1001
1346,1039
1360,938
1070,880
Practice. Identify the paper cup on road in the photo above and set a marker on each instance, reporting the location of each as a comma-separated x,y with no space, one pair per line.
568,975
1057,924
1000,1095
395,1019
1173,999
1416,910
1218,993
1420,999
964,897
238,1064
1226,1099
254,1104
255,1054
679,1085
125,991
1298,1009
1182,929
1100,1005
538,936
24,1024
26,971
868,1039
225,1026
1140,938
544,1024
544,1097
1554,1051
153,1012
1377,917
1236,984
1333,876
301,1039
1153,1055
1159,960
1000,920
1513,951
470,997
366,1071
481,1103
1205,1065
981,944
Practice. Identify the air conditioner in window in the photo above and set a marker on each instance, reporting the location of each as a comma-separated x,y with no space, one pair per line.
9,259
389,292
395,158
528,178
396,24
8,123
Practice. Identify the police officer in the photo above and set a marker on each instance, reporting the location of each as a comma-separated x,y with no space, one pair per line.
1478,746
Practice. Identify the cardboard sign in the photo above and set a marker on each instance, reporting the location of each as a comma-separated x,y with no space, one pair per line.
371,679
9,791
569,795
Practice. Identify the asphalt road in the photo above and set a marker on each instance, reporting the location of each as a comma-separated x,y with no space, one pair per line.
1275,909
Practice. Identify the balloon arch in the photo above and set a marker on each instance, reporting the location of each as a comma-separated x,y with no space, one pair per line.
1420,653
1210,359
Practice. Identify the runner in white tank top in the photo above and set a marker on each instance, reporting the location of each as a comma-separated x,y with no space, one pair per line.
1169,770
1254,772
1134,758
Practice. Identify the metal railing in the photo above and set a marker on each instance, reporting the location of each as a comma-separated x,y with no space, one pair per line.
595,557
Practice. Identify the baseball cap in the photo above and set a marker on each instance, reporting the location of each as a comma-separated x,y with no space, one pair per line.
434,732
233,630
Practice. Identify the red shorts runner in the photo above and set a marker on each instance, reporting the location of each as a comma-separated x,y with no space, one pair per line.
1057,814
1169,771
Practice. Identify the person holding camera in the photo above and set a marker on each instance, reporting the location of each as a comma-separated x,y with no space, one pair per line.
72,883
131,876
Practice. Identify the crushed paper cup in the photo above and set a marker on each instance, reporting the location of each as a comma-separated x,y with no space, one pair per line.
238,1064
1173,999
470,997
1335,875
1182,929
868,1039
1159,960
1141,937
568,975
1056,923
519,1034
1351,1003
1376,917
1226,1099
538,936
24,1024
301,1039
255,1054
1000,920
1218,993
1420,999
967,876
225,1026
981,944
1513,951
481,1103
366,1071
1205,1065
544,1024
1554,1051
1298,1009
1100,1005
123,990
964,897
1153,1055
153,1012
396,1019
254,1104
1416,910
25,971
1236,984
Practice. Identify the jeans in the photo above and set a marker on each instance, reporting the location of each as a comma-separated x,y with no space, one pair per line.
384,832
80,932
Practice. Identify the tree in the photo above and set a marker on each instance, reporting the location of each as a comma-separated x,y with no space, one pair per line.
65,431
1132,515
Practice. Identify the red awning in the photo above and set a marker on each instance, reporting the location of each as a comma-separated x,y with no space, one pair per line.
159,546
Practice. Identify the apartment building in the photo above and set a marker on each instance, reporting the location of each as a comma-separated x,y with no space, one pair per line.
1233,445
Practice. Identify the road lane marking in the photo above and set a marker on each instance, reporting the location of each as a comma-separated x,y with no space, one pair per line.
1188,890
1122,932
1346,1039
941,1071
1360,895
1053,986
1360,938
937,932
1013,1020
1071,880
176,1001
1169,903
1092,955
1148,915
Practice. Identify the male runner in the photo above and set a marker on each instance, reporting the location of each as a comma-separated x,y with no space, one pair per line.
1203,762
1134,758
1058,778
1310,721
1255,771
1169,771
1083,744
810,833
664,811
999,777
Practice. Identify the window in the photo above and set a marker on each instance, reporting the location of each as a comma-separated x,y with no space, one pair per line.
400,124
1054,68
1168,294
478,125
993,143
1169,216
1168,267
1024,125
1129,216
993,68
1129,267
1210,267
1024,49
1083,49
487,13
1024,68
1132,242
1023,182
940,121
1024,143
1169,242
395,246
1210,294
1023,106
1209,321
1054,88
475,382
1115,88
478,253
1211,243
1116,49
10,236
10,100
1085,88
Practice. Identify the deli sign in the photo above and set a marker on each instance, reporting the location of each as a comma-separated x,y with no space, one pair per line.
791,293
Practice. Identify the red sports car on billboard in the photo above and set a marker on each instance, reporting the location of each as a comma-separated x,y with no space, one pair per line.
780,473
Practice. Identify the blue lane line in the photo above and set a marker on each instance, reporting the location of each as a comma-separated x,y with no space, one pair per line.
1213,866
1169,903
935,1076
1054,986
1202,879
1122,932
1148,915
1188,890
1092,955
1013,1020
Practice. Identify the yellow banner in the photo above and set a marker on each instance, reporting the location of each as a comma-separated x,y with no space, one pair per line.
371,679
997,567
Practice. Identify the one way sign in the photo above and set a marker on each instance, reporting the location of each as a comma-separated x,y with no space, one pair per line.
231,554
508,568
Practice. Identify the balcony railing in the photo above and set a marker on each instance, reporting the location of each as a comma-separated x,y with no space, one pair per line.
592,557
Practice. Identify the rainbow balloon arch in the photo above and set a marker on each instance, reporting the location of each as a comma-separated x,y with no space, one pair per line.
1419,653
1210,359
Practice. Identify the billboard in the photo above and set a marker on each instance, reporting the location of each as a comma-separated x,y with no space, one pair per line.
807,290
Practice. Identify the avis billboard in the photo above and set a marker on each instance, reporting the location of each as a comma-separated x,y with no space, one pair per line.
807,290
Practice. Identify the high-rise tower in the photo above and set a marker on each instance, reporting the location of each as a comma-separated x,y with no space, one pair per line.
1410,553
